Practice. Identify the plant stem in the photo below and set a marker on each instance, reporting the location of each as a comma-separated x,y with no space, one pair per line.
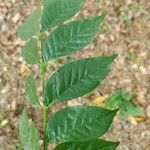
43,70
45,109
44,125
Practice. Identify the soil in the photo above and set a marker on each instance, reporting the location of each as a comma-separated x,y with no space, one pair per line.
125,31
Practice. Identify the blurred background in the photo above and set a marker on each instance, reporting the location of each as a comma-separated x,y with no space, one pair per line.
125,31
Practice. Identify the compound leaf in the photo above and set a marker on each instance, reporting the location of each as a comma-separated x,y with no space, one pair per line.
30,52
70,37
79,123
57,11
76,79
30,90
28,133
31,26
97,144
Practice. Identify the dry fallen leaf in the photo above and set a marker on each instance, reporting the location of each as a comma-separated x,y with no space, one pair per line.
135,120
139,119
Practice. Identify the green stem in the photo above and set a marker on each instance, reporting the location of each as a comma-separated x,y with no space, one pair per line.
44,125
45,110
43,70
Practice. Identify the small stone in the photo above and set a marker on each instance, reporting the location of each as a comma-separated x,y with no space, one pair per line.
129,2
16,18
13,105
112,38
18,42
143,70
146,134
102,36
1,19
3,91
4,122
24,70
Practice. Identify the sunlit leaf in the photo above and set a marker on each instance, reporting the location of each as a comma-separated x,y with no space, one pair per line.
77,79
70,37
79,123
57,11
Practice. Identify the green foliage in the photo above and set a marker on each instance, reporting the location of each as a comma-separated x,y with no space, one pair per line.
28,133
30,52
122,99
79,126
31,27
130,108
79,123
57,11
70,37
30,90
97,144
76,79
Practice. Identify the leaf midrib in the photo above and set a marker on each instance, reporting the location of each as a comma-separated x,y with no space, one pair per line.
65,45
82,78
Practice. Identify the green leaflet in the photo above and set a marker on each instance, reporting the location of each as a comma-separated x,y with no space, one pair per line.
130,108
97,144
31,26
30,52
28,133
119,96
79,123
70,37
76,79
123,99
30,90
57,11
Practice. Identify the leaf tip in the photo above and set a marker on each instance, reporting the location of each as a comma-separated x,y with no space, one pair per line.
115,111
104,14
117,143
113,57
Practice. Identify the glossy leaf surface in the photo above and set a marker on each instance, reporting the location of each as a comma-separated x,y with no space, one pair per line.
28,133
31,26
70,37
77,79
30,52
89,145
79,123
30,90
57,11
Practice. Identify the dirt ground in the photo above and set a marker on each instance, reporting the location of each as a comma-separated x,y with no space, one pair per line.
126,30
